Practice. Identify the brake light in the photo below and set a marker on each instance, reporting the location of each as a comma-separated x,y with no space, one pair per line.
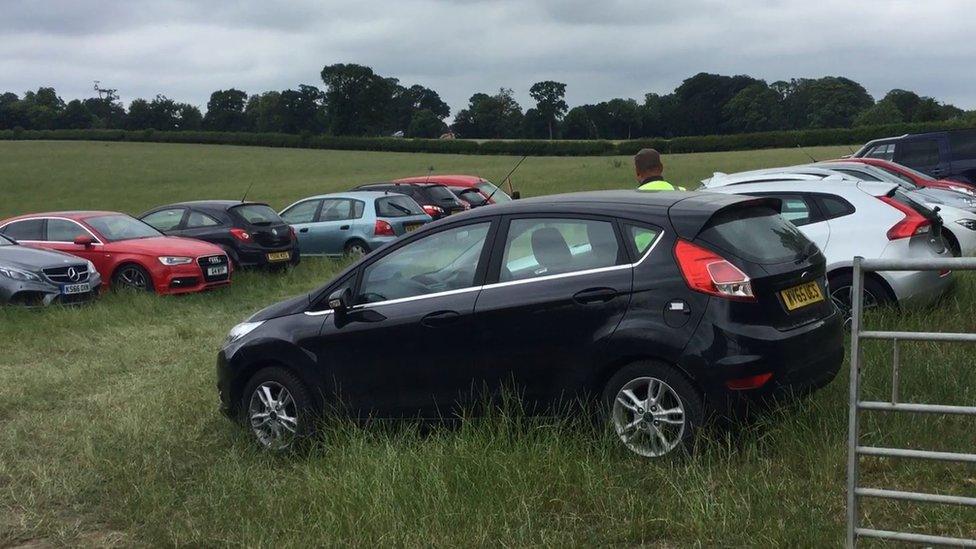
383,228
913,224
240,234
705,271
433,211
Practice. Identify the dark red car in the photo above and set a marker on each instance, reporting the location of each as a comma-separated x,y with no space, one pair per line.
492,194
913,176
125,251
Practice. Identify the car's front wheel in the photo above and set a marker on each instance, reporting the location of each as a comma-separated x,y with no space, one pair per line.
277,409
653,409
132,277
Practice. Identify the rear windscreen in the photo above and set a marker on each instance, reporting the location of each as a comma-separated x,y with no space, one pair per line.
441,193
257,214
397,206
758,234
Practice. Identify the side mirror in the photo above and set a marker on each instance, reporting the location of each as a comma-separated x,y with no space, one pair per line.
84,240
340,300
516,195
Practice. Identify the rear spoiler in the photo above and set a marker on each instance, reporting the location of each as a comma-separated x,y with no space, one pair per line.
689,216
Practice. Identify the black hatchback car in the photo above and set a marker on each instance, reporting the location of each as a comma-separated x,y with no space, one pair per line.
664,307
437,200
251,233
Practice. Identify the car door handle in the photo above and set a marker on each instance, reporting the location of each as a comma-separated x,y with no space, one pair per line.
303,230
344,228
440,318
594,295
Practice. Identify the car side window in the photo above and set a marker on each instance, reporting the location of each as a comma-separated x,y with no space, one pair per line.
165,220
336,209
28,229
60,230
641,237
358,207
921,152
885,151
303,212
546,246
198,220
834,207
443,261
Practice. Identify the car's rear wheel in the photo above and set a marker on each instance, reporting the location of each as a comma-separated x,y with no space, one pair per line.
653,409
278,409
842,289
132,277
356,249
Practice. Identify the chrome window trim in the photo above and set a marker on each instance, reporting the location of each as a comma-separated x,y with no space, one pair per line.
96,242
493,285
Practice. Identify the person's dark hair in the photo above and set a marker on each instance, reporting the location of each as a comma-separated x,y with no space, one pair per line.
647,160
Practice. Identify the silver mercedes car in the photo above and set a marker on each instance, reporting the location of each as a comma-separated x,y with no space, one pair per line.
33,277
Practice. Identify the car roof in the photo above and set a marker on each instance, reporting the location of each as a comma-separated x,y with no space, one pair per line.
444,179
421,184
840,187
357,195
213,204
76,215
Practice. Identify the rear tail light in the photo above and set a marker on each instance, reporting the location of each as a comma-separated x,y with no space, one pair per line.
241,234
913,224
433,211
706,272
383,228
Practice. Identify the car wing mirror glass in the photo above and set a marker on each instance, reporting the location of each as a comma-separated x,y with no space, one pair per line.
516,195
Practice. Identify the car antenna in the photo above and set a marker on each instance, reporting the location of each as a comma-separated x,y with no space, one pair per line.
247,191
507,178
810,156
430,170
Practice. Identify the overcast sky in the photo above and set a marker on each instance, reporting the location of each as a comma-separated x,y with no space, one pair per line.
601,49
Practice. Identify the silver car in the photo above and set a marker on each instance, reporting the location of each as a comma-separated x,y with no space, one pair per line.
33,277
848,218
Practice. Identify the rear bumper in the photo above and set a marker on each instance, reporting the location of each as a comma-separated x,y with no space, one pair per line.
800,360
256,256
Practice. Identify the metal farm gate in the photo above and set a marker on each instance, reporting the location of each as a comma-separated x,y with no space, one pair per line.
856,405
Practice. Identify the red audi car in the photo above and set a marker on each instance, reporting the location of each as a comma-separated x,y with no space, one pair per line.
125,251
492,194
913,176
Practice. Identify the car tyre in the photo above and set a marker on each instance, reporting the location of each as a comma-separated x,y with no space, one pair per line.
356,249
133,277
841,288
277,409
653,409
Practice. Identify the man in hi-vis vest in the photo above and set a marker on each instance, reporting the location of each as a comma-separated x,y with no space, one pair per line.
648,166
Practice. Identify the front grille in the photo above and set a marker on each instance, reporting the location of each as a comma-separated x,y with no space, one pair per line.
213,261
63,275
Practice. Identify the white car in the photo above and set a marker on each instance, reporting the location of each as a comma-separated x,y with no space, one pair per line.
955,209
848,218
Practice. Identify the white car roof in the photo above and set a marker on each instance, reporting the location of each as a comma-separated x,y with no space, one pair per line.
720,179
839,187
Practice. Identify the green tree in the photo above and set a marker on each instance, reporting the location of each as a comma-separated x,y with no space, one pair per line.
225,111
756,108
577,124
496,116
700,100
76,116
427,124
829,102
550,98
882,112
42,108
107,110
357,99
188,117
302,110
263,112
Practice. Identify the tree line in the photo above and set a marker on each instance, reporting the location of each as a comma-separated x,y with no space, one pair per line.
355,101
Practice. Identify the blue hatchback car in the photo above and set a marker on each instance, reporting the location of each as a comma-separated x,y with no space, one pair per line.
352,223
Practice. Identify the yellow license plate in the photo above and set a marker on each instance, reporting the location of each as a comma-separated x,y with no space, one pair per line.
802,295
279,256
411,227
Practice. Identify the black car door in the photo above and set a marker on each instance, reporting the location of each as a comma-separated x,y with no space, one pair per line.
203,226
403,349
558,287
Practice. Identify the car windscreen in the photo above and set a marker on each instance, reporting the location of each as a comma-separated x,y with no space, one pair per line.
497,195
917,174
4,241
257,214
758,234
121,227
397,206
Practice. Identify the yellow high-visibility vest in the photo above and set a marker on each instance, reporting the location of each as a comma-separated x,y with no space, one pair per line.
659,186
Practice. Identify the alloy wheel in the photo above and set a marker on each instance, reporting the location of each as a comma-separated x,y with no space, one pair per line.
273,415
356,251
843,299
648,416
134,278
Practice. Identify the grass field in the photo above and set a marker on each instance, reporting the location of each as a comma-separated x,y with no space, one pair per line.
110,435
